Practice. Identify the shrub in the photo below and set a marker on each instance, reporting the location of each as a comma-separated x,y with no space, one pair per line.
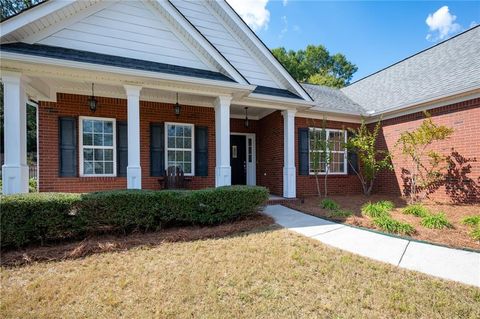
436,221
377,209
473,220
391,225
475,233
340,213
330,204
37,217
416,210
32,185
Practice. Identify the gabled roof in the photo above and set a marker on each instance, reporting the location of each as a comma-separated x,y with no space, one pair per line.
327,98
110,60
448,68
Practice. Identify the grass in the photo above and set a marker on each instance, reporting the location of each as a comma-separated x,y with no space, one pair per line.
417,210
330,204
390,225
436,221
473,220
378,209
269,274
340,213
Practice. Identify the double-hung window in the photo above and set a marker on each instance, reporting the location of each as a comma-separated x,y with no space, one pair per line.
97,146
179,150
336,139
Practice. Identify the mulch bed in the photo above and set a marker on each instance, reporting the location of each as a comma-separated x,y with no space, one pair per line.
111,243
457,237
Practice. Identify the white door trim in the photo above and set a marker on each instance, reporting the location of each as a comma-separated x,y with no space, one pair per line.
251,165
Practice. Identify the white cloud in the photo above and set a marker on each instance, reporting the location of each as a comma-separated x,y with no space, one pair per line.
473,24
441,24
285,2
285,27
253,12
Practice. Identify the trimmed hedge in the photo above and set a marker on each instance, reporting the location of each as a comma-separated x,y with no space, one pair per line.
33,218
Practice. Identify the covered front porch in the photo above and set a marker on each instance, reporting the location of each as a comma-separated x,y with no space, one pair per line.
220,133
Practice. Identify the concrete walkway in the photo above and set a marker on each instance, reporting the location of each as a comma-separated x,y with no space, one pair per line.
453,264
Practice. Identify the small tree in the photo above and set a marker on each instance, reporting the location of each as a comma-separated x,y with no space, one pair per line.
427,164
320,154
372,160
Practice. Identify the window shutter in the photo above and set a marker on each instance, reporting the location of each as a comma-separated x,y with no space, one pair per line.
157,149
352,159
67,146
303,143
201,151
122,148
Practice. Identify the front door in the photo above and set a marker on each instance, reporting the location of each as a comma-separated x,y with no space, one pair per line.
238,159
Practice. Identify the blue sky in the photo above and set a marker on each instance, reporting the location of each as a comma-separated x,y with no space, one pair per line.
371,34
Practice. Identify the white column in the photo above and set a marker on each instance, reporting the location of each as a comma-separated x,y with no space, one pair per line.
289,171
223,171
134,171
14,169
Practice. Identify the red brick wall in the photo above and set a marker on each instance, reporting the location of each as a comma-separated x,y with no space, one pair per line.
336,184
76,105
464,179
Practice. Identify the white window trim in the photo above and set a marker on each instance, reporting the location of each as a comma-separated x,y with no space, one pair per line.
114,147
345,161
180,149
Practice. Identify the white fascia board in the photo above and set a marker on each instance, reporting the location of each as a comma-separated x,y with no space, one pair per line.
252,37
133,72
171,10
330,116
273,98
31,15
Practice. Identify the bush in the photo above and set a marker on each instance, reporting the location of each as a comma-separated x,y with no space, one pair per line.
391,225
32,185
340,213
416,210
473,220
475,233
330,204
37,217
436,221
377,209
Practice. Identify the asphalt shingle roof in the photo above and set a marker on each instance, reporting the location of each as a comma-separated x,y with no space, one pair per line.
331,99
450,67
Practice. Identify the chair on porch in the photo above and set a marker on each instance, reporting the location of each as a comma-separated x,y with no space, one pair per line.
175,178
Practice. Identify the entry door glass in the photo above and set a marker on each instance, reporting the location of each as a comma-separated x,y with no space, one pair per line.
238,159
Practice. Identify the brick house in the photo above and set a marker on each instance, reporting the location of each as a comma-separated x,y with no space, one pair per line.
125,90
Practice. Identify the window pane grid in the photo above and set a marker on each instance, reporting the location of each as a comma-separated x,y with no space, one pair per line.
180,146
336,139
98,147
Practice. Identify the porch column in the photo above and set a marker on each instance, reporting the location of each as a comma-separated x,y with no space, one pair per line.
223,171
289,171
134,171
14,169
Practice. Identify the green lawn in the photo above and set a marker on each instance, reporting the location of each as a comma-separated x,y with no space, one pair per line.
271,273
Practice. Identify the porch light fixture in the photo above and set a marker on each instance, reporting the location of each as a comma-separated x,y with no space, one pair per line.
92,102
177,107
246,117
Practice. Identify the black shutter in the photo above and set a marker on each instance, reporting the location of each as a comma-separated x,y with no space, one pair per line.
157,149
122,148
303,148
352,158
67,142
201,151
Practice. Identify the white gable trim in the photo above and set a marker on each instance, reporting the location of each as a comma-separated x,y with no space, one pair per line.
248,33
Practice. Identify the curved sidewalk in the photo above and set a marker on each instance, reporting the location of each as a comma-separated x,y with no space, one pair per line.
448,263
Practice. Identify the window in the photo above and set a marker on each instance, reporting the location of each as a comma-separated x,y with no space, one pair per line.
337,140
97,146
179,141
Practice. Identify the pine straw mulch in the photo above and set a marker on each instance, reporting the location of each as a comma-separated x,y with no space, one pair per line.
115,243
457,237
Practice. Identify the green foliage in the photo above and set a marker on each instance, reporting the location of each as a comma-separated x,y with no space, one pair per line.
475,233
436,221
378,209
388,224
339,213
32,185
416,210
473,220
317,66
38,217
427,164
328,203
372,160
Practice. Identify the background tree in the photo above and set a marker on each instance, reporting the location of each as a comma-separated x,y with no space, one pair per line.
427,165
316,65
372,160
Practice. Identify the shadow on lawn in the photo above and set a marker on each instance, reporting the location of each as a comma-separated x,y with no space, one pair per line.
112,243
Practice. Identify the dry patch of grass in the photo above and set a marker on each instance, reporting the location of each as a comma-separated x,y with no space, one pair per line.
268,273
